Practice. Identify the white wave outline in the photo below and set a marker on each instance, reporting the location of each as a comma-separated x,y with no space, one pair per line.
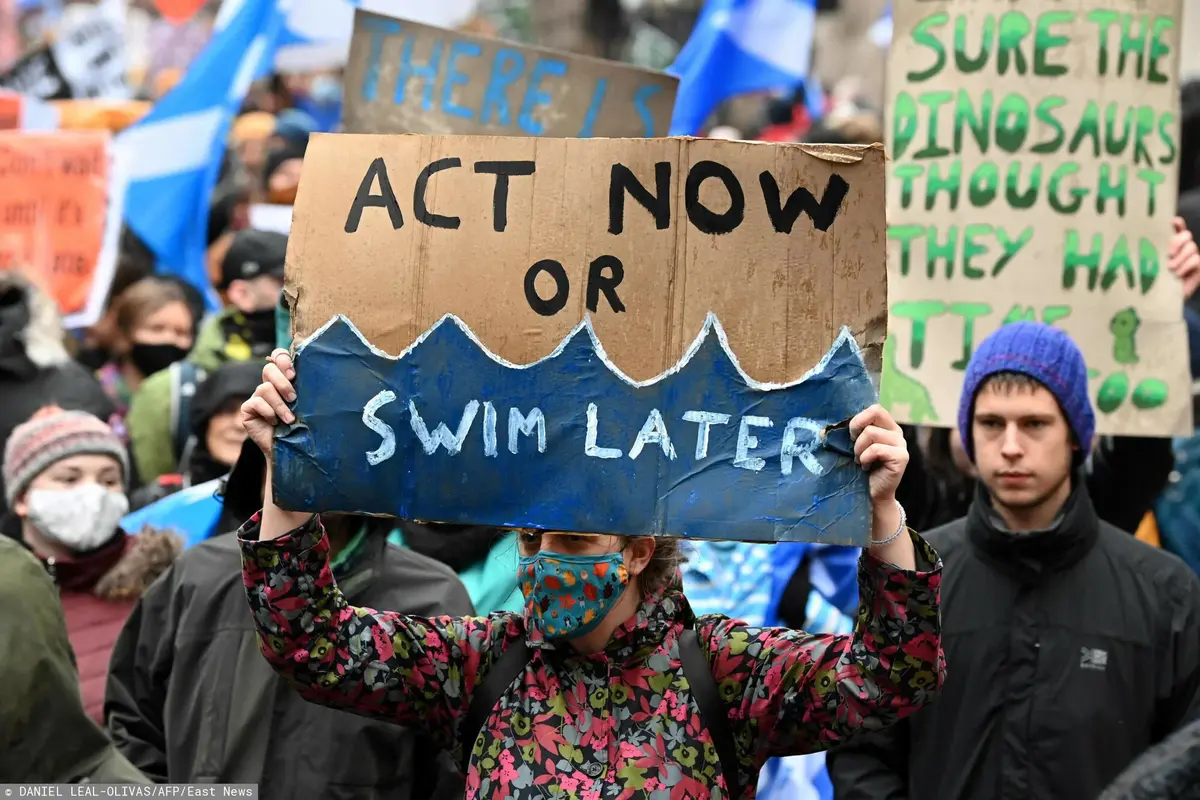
711,325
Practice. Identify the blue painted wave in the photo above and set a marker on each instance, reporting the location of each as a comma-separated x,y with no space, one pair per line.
768,471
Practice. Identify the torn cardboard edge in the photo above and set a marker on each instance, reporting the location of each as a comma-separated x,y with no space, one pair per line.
869,328
712,325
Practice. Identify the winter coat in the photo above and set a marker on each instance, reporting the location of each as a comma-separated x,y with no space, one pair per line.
1124,475
619,723
35,369
1168,771
98,591
45,736
190,700
1071,651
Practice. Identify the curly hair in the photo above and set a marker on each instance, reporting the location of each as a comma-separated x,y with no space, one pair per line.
663,566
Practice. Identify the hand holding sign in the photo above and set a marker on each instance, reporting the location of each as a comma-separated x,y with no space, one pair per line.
1185,258
267,406
879,447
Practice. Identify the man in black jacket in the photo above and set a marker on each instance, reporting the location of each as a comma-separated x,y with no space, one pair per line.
191,700
1071,647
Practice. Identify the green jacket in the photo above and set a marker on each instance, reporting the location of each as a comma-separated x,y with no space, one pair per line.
149,417
45,736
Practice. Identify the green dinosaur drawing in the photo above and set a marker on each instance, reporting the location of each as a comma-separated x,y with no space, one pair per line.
1124,326
897,389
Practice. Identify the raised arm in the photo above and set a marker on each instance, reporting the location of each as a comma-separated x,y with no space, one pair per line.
409,670
796,692
800,693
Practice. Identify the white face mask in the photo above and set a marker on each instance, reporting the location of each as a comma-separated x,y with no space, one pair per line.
81,519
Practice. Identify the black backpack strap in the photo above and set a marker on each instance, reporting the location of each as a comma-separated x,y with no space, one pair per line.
506,669
712,711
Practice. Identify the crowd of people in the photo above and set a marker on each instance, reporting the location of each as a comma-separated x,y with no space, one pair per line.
1025,621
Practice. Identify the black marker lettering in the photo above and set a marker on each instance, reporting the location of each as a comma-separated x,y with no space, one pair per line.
420,210
599,282
659,204
503,170
802,201
364,199
705,219
547,308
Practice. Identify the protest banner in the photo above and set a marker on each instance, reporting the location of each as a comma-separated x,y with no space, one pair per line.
599,335
90,50
61,216
37,74
1034,161
403,77
11,111
87,58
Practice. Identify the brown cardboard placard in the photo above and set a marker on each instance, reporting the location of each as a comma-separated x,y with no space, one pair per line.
631,336
781,287
455,82
1038,146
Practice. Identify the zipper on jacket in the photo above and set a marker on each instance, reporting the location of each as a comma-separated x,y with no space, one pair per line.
50,569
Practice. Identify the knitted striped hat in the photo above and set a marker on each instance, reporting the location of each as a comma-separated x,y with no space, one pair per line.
51,435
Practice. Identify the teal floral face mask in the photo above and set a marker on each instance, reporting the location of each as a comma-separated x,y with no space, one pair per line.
568,596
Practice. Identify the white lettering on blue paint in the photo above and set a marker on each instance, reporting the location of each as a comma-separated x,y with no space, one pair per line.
804,450
519,424
705,420
387,448
489,429
747,442
653,432
441,435
589,447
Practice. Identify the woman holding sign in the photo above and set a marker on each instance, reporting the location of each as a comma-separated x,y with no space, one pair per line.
606,684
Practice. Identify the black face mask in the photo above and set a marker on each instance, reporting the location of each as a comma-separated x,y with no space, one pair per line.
152,358
261,326
93,357
202,468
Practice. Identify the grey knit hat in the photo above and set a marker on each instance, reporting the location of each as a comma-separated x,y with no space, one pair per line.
51,435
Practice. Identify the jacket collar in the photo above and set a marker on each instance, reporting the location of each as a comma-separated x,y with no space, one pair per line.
358,564
639,635
81,573
1030,556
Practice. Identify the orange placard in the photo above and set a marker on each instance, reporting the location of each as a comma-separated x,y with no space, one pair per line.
53,202
10,111
178,11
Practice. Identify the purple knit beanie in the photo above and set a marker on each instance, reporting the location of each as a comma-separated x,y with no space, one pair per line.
1044,353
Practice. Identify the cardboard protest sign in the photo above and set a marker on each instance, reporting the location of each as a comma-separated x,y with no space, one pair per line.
1034,160
60,217
408,78
599,335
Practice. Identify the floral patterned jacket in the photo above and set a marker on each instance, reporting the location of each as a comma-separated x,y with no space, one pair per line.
616,724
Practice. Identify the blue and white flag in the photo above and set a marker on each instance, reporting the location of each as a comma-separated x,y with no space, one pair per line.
173,155
741,46
317,33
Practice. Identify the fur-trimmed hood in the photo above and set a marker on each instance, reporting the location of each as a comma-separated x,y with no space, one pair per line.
31,331
152,551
